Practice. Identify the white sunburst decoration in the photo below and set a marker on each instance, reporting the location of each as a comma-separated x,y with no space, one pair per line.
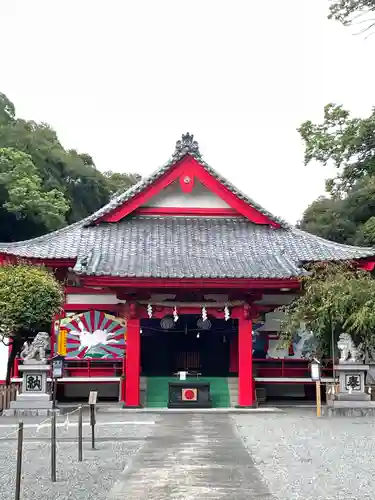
175,314
204,313
226,313
149,311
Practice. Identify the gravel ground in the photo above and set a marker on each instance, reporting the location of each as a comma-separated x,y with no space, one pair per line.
296,454
91,479
303,457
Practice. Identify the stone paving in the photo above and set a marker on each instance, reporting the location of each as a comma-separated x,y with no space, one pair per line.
191,457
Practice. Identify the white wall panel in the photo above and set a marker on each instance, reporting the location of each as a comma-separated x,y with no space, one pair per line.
78,298
200,197
3,361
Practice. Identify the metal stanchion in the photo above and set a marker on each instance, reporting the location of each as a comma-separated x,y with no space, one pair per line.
53,448
92,422
19,461
80,433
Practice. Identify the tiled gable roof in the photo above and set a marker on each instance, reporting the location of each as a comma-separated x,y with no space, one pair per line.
184,247
196,247
187,146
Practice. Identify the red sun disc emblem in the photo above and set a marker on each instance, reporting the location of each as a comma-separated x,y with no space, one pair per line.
189,394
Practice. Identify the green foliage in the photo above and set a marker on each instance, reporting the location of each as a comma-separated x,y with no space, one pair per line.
66,184
22,194
29,297
118,183
7,111
324,218
337,297
347,143
348,12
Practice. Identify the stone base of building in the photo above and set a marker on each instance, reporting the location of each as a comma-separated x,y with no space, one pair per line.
349,409
32,402
27,412
362,396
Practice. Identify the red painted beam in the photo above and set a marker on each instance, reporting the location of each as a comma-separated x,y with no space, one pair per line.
367,265
178,211
213,283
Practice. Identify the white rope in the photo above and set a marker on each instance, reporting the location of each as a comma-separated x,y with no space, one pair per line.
10,434
67,422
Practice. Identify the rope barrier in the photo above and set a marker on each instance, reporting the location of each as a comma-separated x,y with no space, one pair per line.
10,434
45,423
66,422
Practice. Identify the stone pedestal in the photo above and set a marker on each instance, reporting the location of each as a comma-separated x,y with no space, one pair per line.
34,399
352,400
352,381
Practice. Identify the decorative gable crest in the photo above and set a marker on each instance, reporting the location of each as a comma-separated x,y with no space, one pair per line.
186,145
186,167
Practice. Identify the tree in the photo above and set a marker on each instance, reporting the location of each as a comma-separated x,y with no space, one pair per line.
348,12
61,178
7,111
336,298
22,194
119,182
29,298
347,143
324,217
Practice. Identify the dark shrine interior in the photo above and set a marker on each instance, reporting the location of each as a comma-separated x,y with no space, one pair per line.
188,344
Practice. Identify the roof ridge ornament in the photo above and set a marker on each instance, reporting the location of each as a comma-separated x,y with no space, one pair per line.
186,145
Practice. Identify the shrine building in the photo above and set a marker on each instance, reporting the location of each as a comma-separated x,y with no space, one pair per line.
182,272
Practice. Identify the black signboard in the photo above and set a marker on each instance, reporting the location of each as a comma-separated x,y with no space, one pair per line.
58,366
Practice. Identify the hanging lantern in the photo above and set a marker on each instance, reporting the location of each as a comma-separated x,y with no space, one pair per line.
226,313
149,311
204,313
175,315
167,323
204,325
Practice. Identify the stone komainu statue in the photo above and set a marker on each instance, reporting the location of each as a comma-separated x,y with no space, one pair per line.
37,350
347,347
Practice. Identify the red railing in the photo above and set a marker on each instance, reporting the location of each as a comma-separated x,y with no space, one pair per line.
84,368
93,368
265,368
287,368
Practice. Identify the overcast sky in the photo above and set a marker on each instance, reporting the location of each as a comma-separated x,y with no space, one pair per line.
122,80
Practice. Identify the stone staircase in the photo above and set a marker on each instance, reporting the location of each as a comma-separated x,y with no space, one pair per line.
233,391
156,393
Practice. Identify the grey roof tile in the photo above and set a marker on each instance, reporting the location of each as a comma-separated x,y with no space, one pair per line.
184,247
178,247
61,244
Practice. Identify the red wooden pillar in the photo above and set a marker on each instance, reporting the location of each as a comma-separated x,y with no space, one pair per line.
132,363
245,362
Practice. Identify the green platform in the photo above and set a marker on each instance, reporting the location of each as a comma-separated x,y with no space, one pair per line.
157,391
